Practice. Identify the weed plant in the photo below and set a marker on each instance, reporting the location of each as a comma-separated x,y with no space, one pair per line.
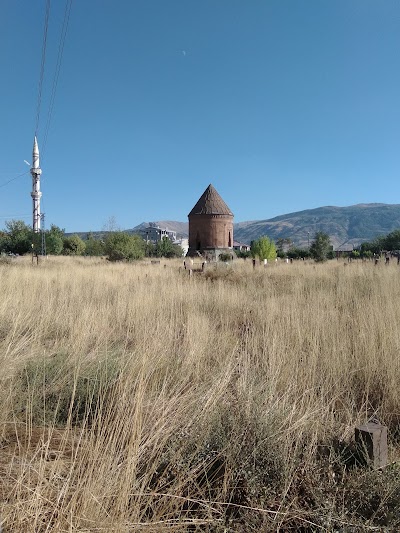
135,397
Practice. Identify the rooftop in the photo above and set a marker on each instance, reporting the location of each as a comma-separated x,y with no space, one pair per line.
210,203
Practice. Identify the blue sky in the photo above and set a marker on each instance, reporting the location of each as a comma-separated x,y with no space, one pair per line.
282,105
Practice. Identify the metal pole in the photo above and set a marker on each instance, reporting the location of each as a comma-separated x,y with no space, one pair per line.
43,236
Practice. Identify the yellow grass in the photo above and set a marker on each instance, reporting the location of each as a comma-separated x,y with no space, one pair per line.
136,398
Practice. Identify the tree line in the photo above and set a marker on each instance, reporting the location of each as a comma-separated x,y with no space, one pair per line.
383,243
18,238
265,248
321,248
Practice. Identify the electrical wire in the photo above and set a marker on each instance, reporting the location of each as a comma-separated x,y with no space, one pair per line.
64,29
42,65
16,177
15,216
63,35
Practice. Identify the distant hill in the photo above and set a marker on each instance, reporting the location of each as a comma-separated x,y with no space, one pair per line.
351,225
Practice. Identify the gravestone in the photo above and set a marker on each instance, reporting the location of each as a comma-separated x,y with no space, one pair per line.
371,440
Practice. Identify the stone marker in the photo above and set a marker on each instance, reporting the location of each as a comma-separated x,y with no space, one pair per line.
371,439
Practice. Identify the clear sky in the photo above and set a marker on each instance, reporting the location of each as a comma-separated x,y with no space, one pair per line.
282,105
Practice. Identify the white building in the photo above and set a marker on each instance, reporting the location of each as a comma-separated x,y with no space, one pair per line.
154,233
184,244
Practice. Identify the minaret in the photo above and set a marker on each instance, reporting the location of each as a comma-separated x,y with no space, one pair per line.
36,194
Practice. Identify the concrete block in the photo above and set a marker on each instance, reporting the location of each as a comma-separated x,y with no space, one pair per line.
371,440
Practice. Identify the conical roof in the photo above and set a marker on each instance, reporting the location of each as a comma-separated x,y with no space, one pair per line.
210,203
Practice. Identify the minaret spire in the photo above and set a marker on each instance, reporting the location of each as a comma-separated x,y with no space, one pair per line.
36,194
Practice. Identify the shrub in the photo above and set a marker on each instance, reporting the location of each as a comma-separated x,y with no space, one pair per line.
225,257
120,246
241,254
73,245
166,248
55,391
94,247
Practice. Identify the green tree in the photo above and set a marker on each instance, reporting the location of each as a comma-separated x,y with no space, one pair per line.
20,237
54,244
57,231
375,246
166,248
283,244
298,253
54,240
320,247
392,241
243,254
94,247
4,242
263,248
73,245
121,246
149,249
389,242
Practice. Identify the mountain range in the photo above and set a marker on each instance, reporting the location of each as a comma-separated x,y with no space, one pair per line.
345,225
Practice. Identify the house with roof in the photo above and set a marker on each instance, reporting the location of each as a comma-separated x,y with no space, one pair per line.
343,250
240,247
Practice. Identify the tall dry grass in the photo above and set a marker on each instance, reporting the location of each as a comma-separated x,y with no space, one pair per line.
135,398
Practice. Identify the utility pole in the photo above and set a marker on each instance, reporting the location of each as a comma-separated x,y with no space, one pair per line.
43,237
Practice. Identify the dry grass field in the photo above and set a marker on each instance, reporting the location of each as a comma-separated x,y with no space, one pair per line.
136,398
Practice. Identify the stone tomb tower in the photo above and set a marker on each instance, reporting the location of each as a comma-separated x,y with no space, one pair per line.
210,225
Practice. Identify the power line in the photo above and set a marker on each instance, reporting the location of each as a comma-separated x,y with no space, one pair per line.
23,215
41,76
64,29
16,177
